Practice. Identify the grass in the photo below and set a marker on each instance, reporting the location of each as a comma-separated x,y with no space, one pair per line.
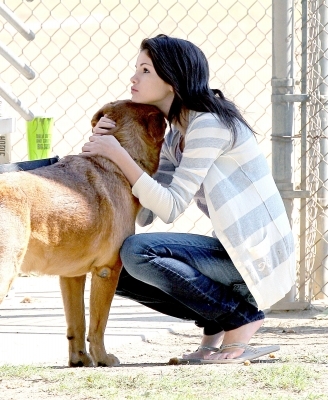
256,382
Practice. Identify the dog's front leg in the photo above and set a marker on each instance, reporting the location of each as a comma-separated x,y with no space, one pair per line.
73,298
103,286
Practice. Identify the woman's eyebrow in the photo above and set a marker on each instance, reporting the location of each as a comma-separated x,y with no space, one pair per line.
144,64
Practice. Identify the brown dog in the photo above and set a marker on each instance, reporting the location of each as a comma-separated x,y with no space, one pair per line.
72,217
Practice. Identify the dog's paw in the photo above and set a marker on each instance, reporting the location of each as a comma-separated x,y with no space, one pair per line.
109,361
83,360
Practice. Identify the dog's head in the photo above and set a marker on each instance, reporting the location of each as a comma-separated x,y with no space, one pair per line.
140,129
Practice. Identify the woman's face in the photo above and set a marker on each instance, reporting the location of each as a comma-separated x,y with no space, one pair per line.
148,87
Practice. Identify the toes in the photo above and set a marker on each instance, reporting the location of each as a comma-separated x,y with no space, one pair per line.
203,355
226,354
235,354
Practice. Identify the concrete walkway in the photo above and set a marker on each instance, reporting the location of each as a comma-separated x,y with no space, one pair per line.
33,325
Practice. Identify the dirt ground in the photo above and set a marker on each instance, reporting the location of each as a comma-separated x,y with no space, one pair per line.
302,336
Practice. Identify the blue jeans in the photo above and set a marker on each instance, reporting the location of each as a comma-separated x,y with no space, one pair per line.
186,276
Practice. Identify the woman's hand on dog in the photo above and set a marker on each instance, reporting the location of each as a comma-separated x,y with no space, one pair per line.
109,147
103,145
103,126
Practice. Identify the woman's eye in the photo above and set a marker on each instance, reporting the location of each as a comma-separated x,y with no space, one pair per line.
145,70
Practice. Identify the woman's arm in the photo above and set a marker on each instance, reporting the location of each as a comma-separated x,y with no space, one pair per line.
163,175
206,140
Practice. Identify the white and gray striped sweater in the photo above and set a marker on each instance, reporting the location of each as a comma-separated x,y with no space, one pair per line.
232,184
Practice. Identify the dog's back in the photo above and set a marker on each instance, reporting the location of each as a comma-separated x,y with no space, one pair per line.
72,217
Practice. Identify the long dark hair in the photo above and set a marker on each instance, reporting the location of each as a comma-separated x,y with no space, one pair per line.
184,66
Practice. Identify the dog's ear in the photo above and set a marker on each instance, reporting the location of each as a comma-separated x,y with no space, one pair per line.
156,125
96,118
100,113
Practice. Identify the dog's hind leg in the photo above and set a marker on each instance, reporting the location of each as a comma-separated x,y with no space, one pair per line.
103,286
73,298
8,271
14,233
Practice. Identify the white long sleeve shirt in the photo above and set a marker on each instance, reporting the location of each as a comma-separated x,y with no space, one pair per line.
232,183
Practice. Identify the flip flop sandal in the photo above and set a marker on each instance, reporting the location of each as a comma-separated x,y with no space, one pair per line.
250,353
176,360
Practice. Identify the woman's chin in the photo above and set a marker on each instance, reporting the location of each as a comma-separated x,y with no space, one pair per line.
135,100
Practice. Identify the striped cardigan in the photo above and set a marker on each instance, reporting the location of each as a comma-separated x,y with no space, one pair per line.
232,183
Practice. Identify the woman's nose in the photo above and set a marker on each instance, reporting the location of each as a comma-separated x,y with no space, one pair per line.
133,79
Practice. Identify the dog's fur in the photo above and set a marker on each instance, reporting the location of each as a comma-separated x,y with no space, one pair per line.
72,217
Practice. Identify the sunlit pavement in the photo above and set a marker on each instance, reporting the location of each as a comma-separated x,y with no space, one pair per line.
33,326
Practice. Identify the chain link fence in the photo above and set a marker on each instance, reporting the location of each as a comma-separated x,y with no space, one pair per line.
311,56
84,54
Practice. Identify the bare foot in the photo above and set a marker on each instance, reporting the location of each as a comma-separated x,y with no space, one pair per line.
207,341
242,334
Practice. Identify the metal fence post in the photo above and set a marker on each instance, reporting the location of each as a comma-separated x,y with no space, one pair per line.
321,264
283,108
303,278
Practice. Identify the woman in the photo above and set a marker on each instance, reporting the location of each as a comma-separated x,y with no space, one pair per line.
211,155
